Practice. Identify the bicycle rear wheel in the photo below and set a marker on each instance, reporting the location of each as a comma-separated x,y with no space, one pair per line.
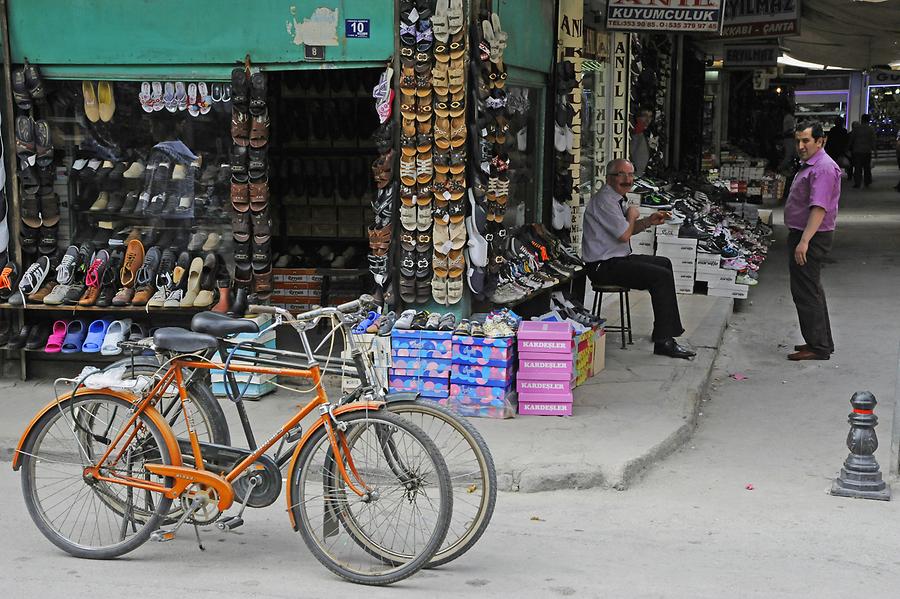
472,473
77,513
398,524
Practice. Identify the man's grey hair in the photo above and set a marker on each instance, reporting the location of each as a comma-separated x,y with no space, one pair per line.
613,166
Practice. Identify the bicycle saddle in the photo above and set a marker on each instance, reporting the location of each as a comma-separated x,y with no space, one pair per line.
182,340
220,325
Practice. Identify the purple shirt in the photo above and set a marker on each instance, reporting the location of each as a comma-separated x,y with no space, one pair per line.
816,184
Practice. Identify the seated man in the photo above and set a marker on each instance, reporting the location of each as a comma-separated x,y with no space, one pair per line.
606,247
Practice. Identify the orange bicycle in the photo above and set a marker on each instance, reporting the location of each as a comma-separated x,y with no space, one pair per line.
368,491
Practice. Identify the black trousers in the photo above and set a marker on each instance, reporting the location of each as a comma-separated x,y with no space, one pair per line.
652,273
806,289
862,165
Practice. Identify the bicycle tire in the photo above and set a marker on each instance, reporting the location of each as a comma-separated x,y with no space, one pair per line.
209,418
460,445
83,414
347,545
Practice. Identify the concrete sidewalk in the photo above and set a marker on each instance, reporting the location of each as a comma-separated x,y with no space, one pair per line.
635,412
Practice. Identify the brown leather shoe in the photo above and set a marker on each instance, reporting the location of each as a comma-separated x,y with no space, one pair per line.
801,347
90,296
142,296
39,294
806,354
134,256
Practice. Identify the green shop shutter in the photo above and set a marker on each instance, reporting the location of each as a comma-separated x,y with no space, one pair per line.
172,39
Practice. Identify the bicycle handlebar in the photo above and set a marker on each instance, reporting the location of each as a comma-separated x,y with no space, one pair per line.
364,302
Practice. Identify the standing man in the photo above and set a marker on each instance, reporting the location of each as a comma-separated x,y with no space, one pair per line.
862,144
640,147
836,143
810,214
609,224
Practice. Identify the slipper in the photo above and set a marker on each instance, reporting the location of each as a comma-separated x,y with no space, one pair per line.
20,91
192,107
117,331
370,318
168,98
56,338
156,96
76,330
204,98
24,137
439,289
454,289
181,101
96,334
33,81
145,98
136,331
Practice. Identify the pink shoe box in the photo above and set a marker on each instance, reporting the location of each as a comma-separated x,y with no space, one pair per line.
428,386
545,337
545,366
433,367
502,342
492,376
483,355
538,387
545,405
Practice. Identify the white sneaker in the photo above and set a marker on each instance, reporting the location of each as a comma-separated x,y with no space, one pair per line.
745,280
158,300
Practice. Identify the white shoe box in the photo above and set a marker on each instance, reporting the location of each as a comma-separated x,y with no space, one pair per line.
717,278
684,289
708,260
668,231
735,291
681,242
679,261
644,248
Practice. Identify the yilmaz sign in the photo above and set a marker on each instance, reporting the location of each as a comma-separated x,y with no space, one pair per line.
677,16
761,18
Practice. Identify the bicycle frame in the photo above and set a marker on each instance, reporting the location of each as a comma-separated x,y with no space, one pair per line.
184,476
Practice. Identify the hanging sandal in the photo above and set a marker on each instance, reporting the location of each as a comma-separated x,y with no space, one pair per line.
259,130
439,289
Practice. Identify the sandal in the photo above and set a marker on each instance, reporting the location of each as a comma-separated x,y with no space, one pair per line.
33,81
24,137
380,239
407,292
439,289
463,327
240,196
257,94
455,17
20,90
440,21
95,334
259,130
76,330
408,217
240,128
424,170
259,195
56,338
239,88
43,146
261,223
240,228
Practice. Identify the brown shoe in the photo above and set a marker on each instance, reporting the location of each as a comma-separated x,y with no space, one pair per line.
801,347
134,256
90,297
39,294
807,354
142,296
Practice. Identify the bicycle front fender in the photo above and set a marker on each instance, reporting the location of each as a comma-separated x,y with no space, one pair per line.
151,413
351,407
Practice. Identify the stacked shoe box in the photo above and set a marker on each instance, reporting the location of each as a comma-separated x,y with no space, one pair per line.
546,368
256,385
420,362
296,289
683,254
645,241
482,376
719,281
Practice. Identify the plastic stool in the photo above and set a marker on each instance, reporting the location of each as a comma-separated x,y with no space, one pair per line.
624,325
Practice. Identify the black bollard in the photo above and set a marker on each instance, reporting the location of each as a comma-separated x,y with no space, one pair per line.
861,476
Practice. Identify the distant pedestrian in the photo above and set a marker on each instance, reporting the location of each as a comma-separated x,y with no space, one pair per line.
837,143
810,214
787,140
862,144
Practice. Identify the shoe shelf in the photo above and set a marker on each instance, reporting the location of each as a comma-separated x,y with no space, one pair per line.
65,308
133,218
538,292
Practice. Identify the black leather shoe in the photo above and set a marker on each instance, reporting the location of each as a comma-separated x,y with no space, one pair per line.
239,305
670,348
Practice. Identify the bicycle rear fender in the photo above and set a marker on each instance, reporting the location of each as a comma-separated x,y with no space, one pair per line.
401,396
150,412
351,407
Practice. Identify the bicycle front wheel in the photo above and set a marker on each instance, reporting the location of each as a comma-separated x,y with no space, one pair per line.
82,515
388,516
472,473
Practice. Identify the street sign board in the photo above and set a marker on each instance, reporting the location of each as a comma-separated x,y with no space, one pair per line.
677,16
745,56
761,18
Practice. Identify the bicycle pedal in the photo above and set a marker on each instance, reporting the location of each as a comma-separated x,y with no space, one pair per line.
229,523
162,535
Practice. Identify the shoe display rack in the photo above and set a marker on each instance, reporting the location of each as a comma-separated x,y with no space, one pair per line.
115,223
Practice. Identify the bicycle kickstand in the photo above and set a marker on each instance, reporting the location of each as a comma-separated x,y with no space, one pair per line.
162,535
231,522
